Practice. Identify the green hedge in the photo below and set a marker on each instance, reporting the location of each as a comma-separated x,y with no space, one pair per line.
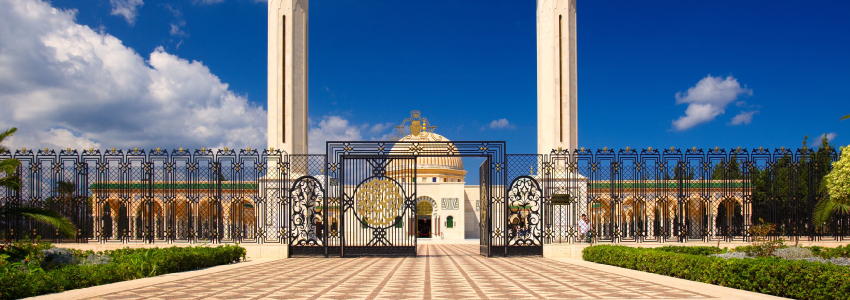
826,252
785,278
126,264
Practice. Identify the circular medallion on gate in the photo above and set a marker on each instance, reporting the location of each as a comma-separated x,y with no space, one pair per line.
379,202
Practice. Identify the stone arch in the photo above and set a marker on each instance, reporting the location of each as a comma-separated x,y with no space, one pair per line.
241,218
140,216
663,211
633,216
435,207
432,218
728,216
207,226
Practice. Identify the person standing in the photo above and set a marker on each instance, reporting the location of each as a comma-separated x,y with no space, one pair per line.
584,228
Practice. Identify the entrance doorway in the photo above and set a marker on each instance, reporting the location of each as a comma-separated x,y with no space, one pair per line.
424,209
423,228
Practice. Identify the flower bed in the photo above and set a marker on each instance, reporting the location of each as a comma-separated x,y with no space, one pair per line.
36,269
798,279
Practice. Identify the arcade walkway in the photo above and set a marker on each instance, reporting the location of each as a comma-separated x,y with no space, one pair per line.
441,271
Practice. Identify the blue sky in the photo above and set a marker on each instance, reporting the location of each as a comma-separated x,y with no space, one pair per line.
464,64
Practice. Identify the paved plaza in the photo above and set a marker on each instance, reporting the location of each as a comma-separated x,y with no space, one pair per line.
441,271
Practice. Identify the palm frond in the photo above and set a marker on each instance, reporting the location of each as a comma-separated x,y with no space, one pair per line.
43,215
13,182
8,169
826,207
8,133
10,165
845,117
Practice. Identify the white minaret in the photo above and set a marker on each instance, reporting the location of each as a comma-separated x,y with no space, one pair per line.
288,75
556,75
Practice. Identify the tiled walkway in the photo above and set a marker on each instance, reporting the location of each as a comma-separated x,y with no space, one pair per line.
439,272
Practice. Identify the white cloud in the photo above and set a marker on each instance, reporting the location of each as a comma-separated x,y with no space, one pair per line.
501,124
337,128
331,128
744,117
708,99
179,21
126,8
65,85
176,31
380,127
818,141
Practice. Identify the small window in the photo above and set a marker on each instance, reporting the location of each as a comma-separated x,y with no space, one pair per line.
444,179
363,223
434,179
397,222
450,222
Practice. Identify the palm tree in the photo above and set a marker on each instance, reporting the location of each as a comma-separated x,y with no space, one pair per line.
828,205
11,181
834,189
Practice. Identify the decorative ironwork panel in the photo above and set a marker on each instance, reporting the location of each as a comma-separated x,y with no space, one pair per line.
378,205
525,217
307,213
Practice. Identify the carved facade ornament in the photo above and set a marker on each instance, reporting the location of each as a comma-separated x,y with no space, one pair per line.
417,127
379,202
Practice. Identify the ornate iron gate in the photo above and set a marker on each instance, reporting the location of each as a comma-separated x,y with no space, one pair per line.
305,208
525,217
378,205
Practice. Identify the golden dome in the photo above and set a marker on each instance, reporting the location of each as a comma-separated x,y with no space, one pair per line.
430,162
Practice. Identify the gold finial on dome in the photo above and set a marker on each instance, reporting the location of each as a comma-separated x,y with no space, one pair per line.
419,127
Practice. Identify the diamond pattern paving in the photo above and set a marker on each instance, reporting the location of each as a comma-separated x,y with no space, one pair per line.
439,272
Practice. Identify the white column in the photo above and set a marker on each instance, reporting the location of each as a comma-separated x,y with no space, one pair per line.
287,75
556,75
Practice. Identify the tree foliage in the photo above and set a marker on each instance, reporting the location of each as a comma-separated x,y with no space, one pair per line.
11,181
837,189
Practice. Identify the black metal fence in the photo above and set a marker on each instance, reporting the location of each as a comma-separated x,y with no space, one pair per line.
649,195
673,195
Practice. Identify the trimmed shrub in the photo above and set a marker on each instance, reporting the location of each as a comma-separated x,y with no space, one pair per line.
786,278
125,264
824,252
